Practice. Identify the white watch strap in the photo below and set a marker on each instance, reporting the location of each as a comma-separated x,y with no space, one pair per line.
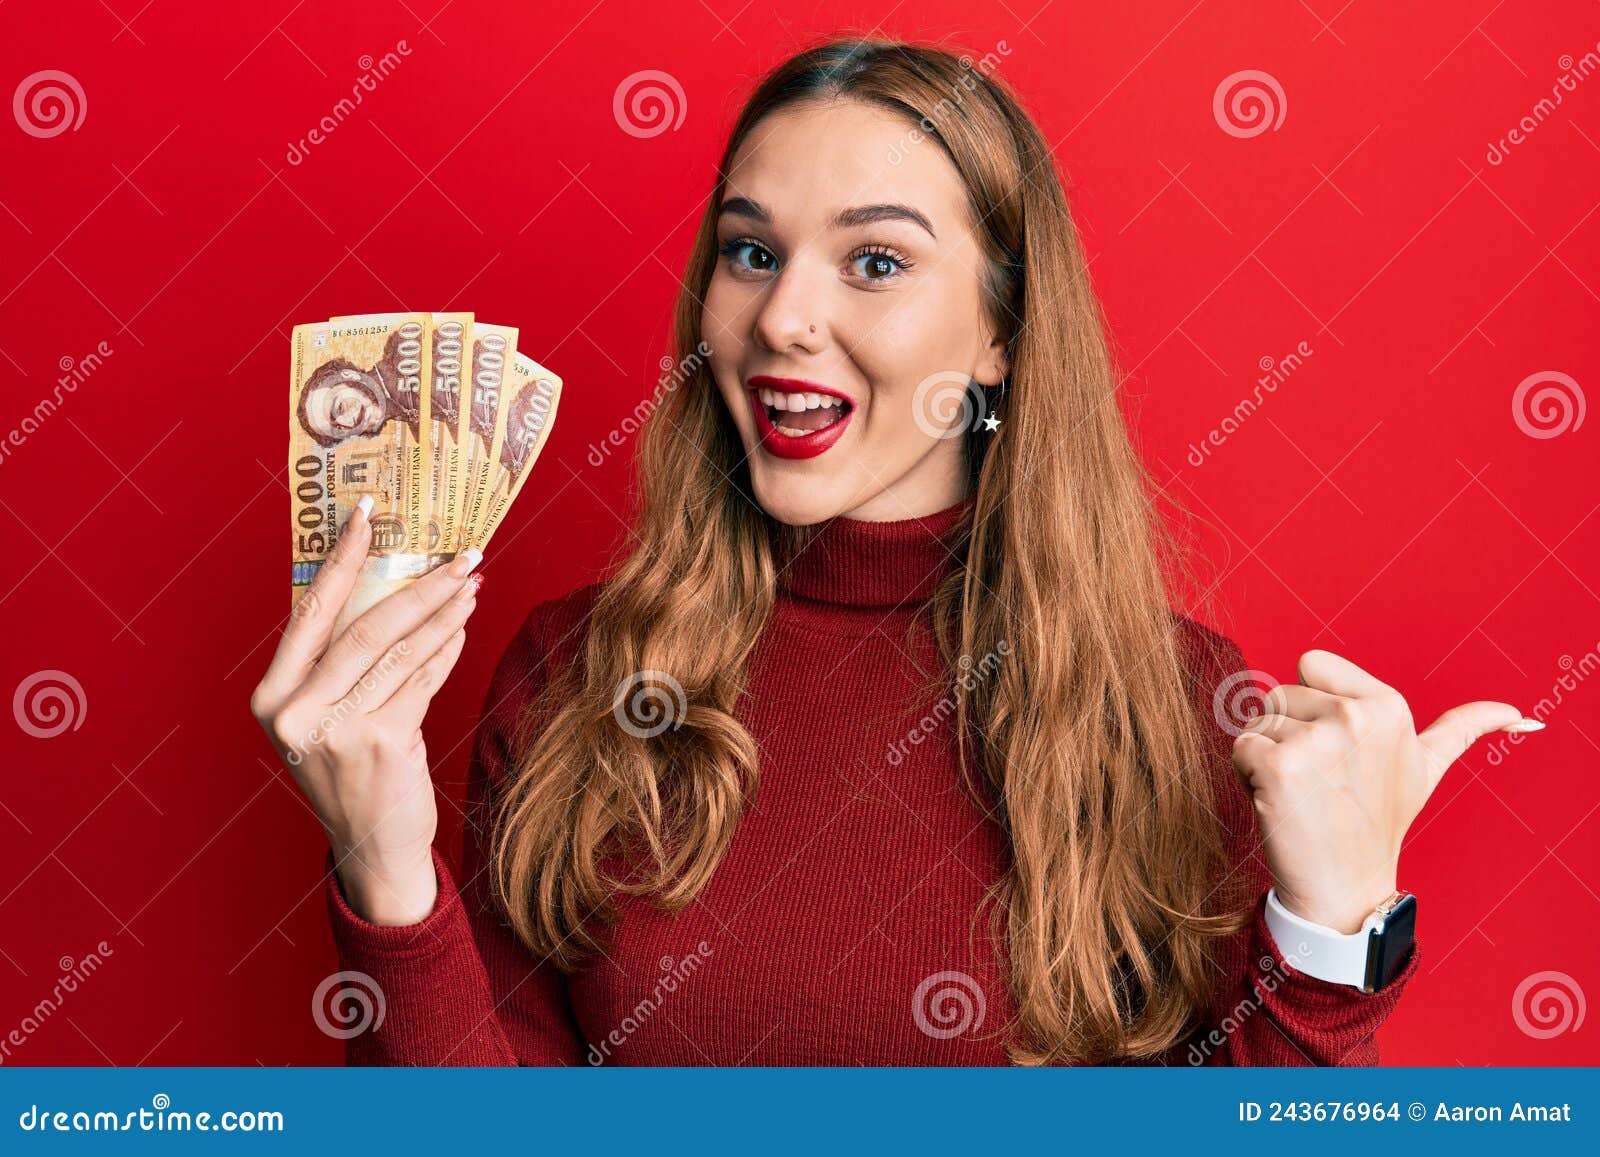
1317,950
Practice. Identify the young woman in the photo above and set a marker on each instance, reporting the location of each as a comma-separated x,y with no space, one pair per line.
883,745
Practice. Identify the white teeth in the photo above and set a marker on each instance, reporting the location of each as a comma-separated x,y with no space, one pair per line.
795,403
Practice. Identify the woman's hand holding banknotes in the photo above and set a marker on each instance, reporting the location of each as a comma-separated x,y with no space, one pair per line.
346,714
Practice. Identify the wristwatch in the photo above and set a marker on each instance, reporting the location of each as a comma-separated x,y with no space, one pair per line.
1367,959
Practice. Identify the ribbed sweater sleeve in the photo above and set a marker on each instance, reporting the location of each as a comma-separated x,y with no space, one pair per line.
458,988
1266,1013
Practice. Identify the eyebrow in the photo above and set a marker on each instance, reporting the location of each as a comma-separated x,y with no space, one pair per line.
844,219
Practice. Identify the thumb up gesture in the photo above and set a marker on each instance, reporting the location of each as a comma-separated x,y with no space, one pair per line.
1338,773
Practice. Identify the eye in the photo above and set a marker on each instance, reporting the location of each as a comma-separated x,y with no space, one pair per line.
877,262
882,263
734,246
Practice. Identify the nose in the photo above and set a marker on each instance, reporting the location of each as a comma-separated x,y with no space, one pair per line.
788,314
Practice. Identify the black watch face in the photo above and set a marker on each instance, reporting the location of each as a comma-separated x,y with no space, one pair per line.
1387,950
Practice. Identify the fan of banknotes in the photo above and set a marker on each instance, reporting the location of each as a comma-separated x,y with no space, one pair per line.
434,416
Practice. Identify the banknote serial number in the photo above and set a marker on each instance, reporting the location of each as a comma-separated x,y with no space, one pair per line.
361,329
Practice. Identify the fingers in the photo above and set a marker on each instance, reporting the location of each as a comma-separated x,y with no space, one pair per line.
380,682
1289,710
1298,702
1447,738
409,703
1275,727
305,636
1249,750
1325,671
394,617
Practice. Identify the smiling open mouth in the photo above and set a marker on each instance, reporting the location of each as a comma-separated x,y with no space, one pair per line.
795,422
796,415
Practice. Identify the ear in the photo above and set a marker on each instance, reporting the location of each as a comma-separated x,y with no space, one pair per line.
994,365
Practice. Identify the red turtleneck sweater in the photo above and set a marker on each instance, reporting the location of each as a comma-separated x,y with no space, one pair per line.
839,929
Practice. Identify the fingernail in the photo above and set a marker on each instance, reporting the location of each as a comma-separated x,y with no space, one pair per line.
1524,724
465,561
470,591
364,507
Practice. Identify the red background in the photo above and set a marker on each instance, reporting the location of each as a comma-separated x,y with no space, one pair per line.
1383,502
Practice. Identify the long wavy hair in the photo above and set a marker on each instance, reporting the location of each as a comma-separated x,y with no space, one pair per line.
1084,745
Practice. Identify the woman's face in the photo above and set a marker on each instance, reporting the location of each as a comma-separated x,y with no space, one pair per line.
340,402
854,279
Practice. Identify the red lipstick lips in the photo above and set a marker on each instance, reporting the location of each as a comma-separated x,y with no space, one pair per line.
782,445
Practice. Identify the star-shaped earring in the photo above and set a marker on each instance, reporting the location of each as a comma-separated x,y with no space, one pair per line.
991,423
